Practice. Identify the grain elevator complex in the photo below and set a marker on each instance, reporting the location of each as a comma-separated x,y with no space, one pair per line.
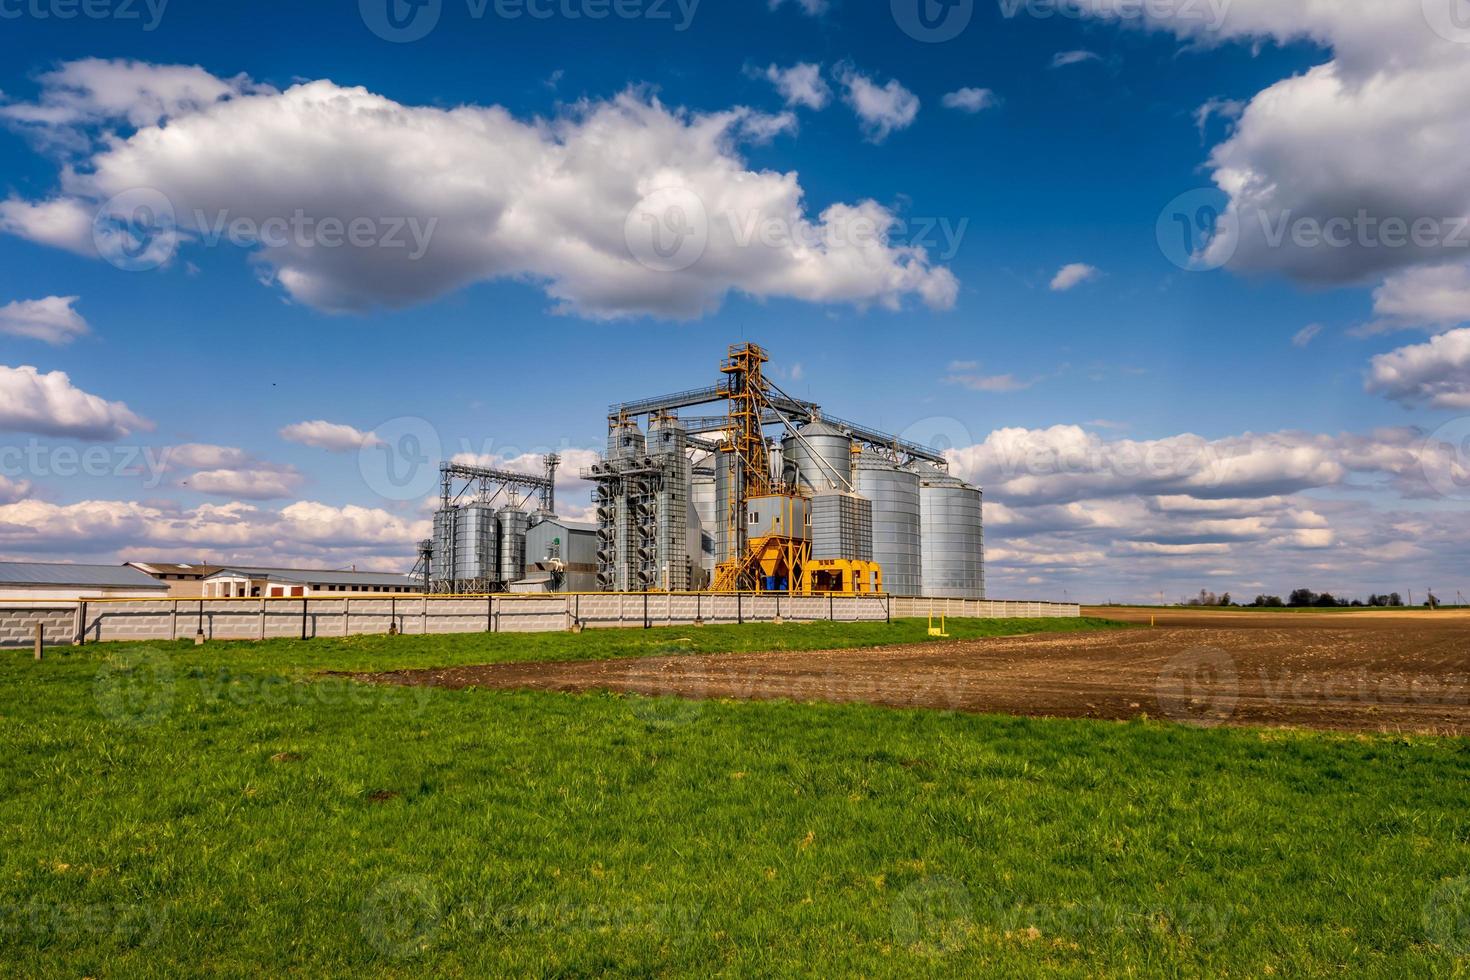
767,495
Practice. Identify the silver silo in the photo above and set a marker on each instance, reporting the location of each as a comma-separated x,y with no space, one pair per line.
475,546
953,530
625,440
897,525
822,457
729,472
702,496
441,567
514,523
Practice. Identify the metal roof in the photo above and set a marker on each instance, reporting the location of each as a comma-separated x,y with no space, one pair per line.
174,568
316,576
91,576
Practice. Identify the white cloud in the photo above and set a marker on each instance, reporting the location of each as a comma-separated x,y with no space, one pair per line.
261,481
1436,373
1436,296
53,320
1064,58
882,110
202,456
996,383
92,90
304,533
971,99
331,436
60,222
1306,335
50,405
13,490
801,85
473,194
1391,107
1071,276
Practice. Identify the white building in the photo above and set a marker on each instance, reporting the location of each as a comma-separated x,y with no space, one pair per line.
45,580
242,582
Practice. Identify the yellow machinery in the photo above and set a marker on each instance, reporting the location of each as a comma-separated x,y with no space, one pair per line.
769,526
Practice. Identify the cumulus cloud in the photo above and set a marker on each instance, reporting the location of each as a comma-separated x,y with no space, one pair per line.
1436,296
1390,108
882,110
59,222
450,197
331,436
261,482
53,320
1118,518
971,100
800,85
50,405
303,533
1074,275
203,456
1436,374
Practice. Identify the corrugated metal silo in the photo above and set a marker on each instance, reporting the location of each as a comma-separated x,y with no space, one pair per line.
475,544
822,457
953,530
897,524
514,523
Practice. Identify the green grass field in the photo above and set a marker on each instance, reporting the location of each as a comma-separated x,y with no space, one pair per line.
226,810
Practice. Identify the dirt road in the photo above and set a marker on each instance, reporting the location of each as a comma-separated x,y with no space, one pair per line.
1369,672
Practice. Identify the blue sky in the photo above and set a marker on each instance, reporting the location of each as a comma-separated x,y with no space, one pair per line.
1068,164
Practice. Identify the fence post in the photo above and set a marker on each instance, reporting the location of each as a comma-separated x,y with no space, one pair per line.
40,639
647,623
740,608
489,614
173,622
262,617
80,636
305,602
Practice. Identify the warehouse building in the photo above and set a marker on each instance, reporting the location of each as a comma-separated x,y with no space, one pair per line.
183,581
242,582
43,580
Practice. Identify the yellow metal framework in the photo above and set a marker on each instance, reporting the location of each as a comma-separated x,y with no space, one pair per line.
765,558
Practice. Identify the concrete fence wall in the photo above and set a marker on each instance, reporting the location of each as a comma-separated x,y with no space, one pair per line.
92,621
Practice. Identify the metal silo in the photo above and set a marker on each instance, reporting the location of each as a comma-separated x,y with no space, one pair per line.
822,457
953,531
729,474
441,567
625,440
514,523
703,496
897,524
474,546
